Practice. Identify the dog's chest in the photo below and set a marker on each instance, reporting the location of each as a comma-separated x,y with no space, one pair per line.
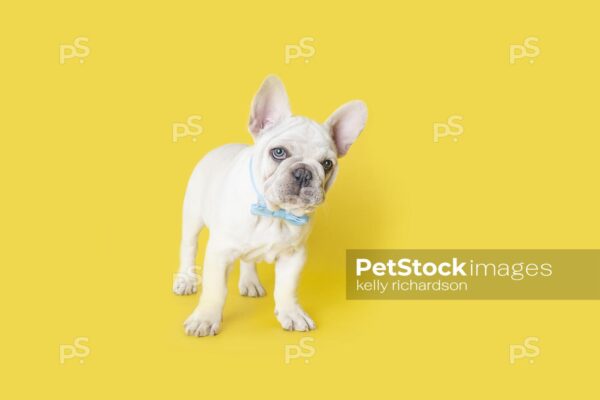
271,238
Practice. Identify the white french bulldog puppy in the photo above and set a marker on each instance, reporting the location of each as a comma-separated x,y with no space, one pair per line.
256,201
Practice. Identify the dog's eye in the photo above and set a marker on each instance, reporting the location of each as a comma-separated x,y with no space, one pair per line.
279,153
327,165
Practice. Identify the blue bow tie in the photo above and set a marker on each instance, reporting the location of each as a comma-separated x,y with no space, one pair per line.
260,208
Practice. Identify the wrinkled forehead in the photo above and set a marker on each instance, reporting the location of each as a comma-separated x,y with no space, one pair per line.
302,137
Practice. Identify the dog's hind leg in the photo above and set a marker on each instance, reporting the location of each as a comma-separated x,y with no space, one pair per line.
249,283
186,280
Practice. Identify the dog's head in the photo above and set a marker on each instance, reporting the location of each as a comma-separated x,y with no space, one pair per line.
296,158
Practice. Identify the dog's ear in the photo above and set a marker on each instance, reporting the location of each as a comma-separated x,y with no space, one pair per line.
346,123
269,107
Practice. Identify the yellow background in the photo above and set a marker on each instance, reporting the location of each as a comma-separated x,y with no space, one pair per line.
92,186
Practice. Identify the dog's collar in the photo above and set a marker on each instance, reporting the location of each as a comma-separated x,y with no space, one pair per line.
260,207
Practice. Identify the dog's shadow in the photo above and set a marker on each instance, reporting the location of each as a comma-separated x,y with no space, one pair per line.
353,217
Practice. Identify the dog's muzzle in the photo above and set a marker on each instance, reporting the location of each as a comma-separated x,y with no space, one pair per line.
303,176
302,187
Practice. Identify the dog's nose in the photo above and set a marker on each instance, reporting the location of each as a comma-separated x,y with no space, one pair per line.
302,176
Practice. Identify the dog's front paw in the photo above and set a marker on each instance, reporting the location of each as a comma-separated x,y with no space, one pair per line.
295,319
251,288
185,284
202,323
